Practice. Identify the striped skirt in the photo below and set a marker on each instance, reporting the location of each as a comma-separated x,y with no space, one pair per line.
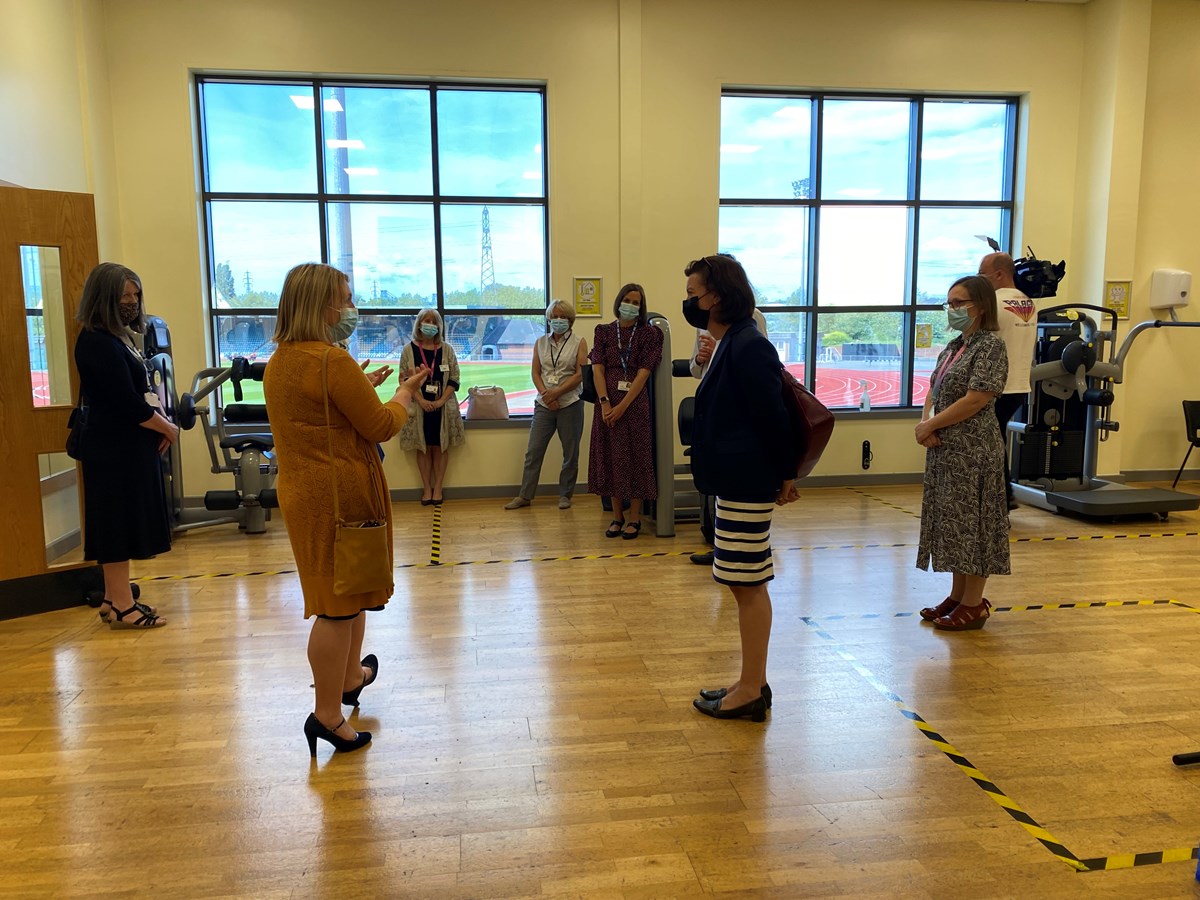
742,549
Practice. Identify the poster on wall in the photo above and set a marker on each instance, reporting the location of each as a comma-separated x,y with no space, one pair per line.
588,291
1116,297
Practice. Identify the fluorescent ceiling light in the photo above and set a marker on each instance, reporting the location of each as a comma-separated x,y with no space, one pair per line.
332,105
531,176
351,144
740,148
361,170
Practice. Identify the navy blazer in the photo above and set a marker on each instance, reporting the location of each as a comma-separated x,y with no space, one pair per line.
741,434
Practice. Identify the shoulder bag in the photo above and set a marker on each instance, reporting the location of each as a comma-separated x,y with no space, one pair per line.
361,561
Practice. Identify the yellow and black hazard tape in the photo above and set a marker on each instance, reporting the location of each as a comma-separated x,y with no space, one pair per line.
435,547
212,575
1028,607
887,503
1106,537
1133,860
989,787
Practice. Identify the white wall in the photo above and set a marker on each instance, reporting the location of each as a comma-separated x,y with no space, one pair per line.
633,94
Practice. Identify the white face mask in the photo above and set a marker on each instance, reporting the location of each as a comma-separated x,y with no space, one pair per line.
560,326
346,324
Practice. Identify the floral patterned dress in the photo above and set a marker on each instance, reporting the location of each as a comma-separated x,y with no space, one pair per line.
964,513
621,458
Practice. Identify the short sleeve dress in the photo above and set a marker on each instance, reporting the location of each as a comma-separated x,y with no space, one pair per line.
964,513
621,459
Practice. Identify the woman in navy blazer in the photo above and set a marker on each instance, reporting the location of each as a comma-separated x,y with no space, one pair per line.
742,454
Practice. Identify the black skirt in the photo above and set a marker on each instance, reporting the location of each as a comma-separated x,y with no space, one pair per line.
125,508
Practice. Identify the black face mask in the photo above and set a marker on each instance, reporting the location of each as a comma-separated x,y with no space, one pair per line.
695,316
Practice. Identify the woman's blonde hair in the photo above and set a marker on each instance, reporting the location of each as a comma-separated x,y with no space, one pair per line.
308,290
421,317
565,311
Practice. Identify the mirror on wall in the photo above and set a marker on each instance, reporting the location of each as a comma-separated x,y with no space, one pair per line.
62,515
46,326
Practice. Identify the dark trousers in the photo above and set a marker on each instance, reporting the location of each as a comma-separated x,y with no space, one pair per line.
707,519
1007,405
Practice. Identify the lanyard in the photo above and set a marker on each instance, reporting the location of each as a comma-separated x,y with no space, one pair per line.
554,358
431,362
941,373
625,353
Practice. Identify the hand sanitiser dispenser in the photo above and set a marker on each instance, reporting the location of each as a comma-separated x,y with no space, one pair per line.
1170,289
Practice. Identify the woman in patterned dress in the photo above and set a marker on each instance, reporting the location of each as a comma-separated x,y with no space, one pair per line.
964,514
620,464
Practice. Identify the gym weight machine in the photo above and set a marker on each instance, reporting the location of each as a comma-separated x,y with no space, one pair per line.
247,456
1077,362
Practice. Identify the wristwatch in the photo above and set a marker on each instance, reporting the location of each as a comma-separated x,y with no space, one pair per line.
603,399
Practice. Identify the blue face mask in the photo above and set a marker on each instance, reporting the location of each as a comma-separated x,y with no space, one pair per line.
345,326
429,330
629,311
560,326
958,319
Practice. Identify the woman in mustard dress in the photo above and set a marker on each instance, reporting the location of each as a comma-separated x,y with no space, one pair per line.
316,299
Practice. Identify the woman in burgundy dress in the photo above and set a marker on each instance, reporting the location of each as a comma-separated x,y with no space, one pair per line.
620,464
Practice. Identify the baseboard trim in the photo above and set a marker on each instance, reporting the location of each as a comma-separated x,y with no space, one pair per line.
60,589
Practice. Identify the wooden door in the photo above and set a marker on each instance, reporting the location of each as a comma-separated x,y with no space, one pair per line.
47,248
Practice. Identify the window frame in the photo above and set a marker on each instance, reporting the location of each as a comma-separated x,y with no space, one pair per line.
913,204
324,199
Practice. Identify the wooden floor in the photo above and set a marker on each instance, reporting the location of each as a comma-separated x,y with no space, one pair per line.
534,733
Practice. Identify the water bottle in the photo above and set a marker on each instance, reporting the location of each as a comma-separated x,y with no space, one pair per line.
864,402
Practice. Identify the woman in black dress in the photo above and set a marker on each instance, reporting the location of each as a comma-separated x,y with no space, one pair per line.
125,511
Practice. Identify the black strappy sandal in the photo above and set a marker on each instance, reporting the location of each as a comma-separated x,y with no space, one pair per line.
637,529
614,528
145,619
106,616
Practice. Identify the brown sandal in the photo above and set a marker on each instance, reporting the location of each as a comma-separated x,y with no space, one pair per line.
965,618
944,608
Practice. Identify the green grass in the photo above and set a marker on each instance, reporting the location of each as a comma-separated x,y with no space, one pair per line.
512,377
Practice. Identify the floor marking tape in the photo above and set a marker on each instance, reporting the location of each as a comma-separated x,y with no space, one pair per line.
1005,802
889,505
1030,607
435,547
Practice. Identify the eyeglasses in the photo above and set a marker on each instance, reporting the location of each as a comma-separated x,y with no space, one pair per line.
959,304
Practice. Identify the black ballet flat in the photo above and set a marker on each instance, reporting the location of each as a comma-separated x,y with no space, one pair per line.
755,710
370,661
313,729
718,693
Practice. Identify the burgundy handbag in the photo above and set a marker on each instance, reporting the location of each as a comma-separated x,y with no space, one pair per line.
812,423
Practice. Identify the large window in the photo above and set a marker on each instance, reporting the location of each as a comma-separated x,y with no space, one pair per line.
425,195
852,216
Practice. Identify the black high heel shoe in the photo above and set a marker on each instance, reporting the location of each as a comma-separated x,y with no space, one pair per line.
370,661
313,729
756,709
718,693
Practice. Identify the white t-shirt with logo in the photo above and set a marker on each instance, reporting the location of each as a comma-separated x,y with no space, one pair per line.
1018,330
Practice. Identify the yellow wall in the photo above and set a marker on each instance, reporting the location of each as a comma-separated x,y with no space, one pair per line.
633,97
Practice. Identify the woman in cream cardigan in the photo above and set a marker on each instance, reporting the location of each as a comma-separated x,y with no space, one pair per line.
436,424
311,453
